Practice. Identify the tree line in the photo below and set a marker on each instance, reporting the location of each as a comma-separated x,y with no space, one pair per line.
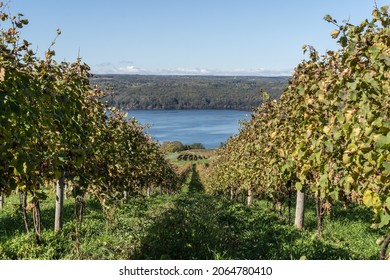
149,92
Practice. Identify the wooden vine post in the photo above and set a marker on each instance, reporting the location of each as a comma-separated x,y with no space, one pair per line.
59,203
300,209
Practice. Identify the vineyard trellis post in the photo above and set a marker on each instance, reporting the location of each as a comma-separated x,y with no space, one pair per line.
59,203
300,209
1,200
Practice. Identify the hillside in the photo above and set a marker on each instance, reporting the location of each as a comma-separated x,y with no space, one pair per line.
188,92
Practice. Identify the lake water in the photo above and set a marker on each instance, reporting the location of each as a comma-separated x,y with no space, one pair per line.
209,127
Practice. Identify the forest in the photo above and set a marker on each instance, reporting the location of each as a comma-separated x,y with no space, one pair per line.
148,92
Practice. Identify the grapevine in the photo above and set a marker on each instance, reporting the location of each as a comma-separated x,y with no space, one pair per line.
55,128
328,134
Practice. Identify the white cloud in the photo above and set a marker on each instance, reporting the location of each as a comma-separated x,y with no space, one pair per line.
218,72
123,67
127,67
183,71
130,69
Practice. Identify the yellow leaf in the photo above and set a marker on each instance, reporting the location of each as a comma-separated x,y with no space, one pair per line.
356,132
2,74
348,115
326,129
346,159
368,130
380,240
371,199
367,199
335,33
321,97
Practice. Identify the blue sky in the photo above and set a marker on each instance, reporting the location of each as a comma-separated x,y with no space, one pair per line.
214,37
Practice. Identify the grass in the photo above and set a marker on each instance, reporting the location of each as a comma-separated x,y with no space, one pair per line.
189,225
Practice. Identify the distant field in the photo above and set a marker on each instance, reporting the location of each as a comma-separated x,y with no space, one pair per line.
202,156
188,92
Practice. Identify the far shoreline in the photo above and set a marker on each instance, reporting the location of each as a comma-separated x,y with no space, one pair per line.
177,92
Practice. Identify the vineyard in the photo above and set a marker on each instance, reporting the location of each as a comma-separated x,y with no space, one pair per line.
328,137
56,134
78,179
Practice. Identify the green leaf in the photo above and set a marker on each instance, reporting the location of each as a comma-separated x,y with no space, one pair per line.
24,167
343,41
329,146
337,135
382,141
386,165
328,18
62,159
373,50
41,195
16,172
79,162
388,203
367,169
324,180
265,96
384,219
301,90
384,9
57,174
298,186
346,159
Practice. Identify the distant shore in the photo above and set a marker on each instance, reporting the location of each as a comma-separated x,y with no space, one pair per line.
151,92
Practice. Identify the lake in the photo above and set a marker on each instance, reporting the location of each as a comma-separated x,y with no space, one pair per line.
209,127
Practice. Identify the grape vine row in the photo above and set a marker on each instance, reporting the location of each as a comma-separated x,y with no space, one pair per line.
54,126
329,134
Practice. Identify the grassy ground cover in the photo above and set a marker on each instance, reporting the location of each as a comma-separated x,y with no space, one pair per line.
188,225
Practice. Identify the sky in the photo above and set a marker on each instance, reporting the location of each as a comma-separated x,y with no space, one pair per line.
188,37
